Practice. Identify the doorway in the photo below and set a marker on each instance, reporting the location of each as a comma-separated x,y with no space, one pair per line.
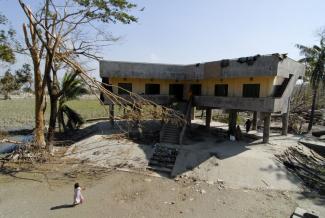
177,90
196,89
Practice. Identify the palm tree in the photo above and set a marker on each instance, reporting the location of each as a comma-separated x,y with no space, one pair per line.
72,87
315,70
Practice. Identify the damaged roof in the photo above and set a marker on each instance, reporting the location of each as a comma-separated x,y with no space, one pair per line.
258,65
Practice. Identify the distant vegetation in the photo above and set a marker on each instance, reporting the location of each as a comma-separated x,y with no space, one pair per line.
19,113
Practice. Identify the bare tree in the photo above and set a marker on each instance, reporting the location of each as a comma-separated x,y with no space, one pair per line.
52,29
60,32
36,50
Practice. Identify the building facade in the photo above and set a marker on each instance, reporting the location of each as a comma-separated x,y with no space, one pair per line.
259,84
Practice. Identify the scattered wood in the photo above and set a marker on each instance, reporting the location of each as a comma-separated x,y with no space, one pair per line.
24,152
307,165
11,142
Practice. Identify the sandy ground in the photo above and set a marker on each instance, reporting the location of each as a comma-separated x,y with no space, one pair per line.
121,194
213,179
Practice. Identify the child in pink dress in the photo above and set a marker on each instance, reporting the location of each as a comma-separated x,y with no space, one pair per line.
77,198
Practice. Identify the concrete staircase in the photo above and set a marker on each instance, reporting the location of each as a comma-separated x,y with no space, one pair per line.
171,133
163,159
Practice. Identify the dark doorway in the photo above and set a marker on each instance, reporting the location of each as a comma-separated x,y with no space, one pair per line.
124,88
177,91
152,89
196,89
251,90
221,90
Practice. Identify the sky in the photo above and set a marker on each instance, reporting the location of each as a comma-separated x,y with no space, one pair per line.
193,31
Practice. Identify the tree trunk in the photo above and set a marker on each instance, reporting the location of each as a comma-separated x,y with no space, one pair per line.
52,123
53,90
312,111
39,108
36,54
6,96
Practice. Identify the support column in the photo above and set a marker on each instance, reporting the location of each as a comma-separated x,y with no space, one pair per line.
111,114
254,126
232,121
192,113
285,120
208,117
163,115
266,129
285,123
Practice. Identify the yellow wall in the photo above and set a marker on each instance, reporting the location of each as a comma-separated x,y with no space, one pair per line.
235,85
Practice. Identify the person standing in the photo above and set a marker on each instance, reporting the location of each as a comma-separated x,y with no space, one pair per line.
77,198
248,125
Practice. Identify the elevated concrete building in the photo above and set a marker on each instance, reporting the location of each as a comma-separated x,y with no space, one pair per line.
261,83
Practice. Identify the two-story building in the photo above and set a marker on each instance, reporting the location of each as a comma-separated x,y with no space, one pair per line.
261,83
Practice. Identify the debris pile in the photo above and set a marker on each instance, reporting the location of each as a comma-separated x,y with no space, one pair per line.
319,116
307,165
25,153
163,158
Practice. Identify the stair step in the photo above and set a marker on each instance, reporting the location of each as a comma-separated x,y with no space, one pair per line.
166,130
163,159
159,169
170,130
171,142
170,136
171,133
166,165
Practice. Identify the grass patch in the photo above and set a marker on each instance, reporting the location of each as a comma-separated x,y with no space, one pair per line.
19,113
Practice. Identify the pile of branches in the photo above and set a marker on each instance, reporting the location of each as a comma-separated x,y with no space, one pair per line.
307,165
24,153
300,103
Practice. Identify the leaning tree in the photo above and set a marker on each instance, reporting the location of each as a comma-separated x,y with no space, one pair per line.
61,27
63,35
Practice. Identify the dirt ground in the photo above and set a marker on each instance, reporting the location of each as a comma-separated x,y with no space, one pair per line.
123,194
213,179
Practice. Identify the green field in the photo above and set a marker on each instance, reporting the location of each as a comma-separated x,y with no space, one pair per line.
19,113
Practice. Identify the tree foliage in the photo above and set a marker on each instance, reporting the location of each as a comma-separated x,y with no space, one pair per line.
6,41
11,82
314,58
71,88
108,10
8,84
24,76
63,31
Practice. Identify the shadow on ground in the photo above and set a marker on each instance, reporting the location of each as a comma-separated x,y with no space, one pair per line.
200,145
63,206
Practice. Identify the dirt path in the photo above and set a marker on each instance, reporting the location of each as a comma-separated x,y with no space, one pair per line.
121,194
